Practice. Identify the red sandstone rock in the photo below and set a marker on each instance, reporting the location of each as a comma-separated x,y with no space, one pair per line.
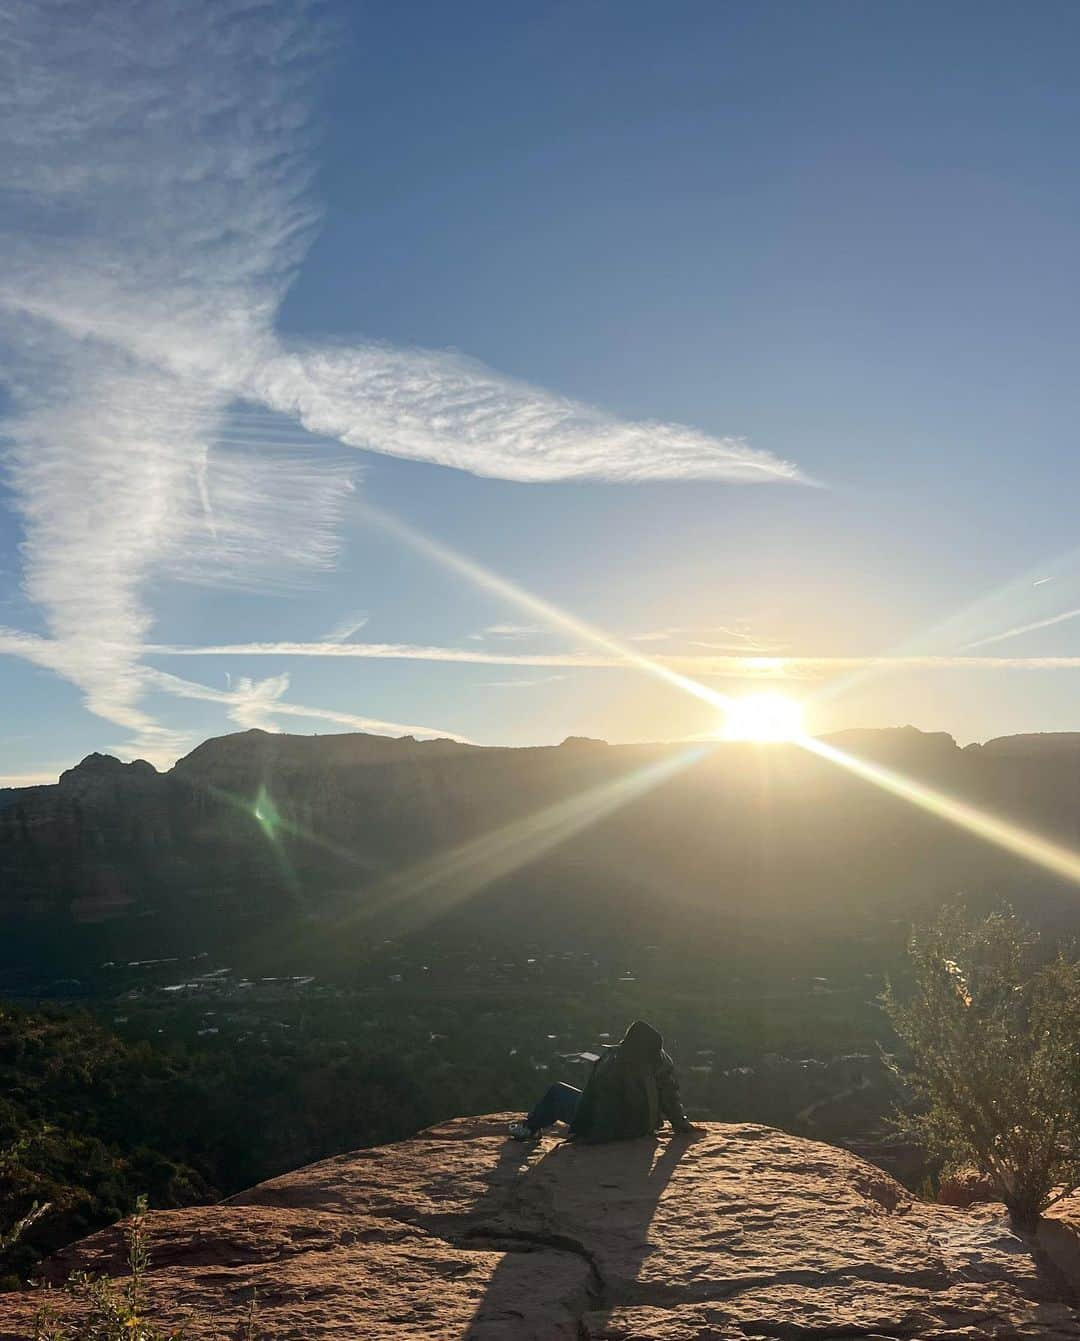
459,1234
965,1188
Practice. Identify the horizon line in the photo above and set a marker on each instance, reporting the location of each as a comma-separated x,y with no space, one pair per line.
39,778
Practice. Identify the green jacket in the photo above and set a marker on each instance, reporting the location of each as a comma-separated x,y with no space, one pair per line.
630,1090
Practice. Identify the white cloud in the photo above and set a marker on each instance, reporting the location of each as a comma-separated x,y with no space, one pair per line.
389,652
28,647
258,521
737,665
733,639
522,684
344,629
156,201
255,704
444,408
154,210
505,631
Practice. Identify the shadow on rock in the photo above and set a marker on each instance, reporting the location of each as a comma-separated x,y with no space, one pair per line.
547,1204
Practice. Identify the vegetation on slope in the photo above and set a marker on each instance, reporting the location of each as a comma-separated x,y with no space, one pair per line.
82,1123
290,1075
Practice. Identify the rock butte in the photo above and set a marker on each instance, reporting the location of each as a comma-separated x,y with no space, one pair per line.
111,841
460,1235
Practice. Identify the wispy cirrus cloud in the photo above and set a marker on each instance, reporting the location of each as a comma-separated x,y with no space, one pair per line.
736,665
714,638
256,703
154,211
447,409
345,628
522,684
387,652
249,702
157,205
505,631
673,632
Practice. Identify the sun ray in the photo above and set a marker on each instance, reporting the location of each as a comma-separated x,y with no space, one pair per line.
536,606
461,873
1051,856
452,877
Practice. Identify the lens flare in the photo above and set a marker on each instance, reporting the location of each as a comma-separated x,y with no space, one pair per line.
266,814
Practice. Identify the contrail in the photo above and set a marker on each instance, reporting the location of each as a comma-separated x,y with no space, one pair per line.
1025,628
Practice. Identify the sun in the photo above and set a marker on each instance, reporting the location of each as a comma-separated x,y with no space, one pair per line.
763,717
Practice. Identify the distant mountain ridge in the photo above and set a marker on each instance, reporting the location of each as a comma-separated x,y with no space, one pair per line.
258,827
255,749
1040,742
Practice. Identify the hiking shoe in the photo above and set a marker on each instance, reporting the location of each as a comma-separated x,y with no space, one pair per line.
521,1131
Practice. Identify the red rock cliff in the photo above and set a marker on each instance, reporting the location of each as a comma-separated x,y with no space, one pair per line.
459,1234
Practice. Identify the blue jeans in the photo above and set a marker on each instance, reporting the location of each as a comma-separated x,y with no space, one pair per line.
559,1104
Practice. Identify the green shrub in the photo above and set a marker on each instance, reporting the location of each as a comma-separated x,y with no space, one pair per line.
992,1025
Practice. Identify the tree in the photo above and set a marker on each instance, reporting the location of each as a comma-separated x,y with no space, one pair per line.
991,1024
11,1233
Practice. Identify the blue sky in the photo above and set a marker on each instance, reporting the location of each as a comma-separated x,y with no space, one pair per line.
735,331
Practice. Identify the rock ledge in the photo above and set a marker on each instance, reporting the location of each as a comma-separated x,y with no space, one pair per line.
742,1232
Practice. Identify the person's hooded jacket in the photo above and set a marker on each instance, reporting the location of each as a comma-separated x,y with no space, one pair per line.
630,1091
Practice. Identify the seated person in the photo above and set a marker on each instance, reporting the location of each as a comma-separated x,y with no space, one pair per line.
630,1091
